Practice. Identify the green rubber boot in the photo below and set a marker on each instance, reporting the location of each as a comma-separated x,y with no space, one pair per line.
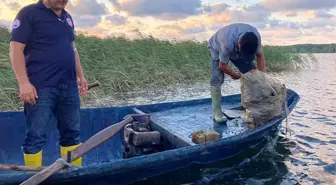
216,97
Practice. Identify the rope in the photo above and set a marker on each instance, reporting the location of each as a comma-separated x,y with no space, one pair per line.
284,93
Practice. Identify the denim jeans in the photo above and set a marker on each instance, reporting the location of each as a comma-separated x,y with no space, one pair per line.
63,103
217,75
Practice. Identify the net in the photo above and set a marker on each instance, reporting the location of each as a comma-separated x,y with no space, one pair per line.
262,97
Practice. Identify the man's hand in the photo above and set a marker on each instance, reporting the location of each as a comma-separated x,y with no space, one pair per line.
227,70
236,75
83,86
28,93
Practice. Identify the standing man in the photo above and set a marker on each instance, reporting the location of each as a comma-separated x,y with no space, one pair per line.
239,43
46,65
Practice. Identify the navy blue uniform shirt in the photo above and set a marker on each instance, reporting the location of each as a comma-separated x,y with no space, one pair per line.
49,52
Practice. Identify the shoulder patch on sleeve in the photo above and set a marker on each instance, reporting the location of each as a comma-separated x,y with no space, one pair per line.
16,23
69,21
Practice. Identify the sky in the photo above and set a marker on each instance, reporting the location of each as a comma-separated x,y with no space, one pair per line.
280,22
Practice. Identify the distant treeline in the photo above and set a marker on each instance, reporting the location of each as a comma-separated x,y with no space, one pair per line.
311,48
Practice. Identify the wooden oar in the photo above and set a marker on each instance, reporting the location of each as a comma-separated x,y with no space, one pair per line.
87,146
20,168
93,85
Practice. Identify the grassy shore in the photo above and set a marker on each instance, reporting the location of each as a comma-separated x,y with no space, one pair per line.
123,65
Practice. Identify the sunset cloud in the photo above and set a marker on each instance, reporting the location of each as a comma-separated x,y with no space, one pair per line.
276,5
13,5
288,22
162,9
87,7
116,19
323,14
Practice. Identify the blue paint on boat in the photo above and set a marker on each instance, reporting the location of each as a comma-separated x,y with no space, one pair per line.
106,165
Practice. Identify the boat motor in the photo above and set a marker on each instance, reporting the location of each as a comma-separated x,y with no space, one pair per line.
140,139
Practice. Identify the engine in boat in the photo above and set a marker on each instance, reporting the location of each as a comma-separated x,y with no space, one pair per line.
140,139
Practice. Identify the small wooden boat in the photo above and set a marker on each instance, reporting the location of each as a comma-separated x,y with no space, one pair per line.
127,158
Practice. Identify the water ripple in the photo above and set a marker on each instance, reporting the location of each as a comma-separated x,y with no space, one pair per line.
300,125
310,139
323,134
331,168
332,142
332,123
305,144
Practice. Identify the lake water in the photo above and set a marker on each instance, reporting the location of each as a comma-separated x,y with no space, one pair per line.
305,155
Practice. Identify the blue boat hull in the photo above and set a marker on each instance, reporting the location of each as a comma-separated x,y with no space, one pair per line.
105,165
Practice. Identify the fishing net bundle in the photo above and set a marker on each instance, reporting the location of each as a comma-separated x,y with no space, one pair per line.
262,96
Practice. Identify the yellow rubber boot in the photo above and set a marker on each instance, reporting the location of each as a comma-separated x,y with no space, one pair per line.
64,153
34,160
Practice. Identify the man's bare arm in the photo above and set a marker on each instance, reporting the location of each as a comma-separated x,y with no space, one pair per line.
79,69
18,61
28,92
261,62
227,70
80,73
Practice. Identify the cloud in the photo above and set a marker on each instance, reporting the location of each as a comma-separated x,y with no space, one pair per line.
87,7
174,31
254,13
323,14
87,13
217,8
217,16
195,29
276,5
162,9
116,19
290,25
295,25
115,3
86,21
276,24
281,33
183,28
291,14
290,21
320,23
286,36
221,15
13,6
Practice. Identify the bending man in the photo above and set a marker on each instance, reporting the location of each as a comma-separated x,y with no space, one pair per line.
239,43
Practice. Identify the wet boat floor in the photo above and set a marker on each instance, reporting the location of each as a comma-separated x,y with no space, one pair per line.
183,121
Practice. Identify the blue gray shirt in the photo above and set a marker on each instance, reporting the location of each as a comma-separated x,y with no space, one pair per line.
49,53
223,45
